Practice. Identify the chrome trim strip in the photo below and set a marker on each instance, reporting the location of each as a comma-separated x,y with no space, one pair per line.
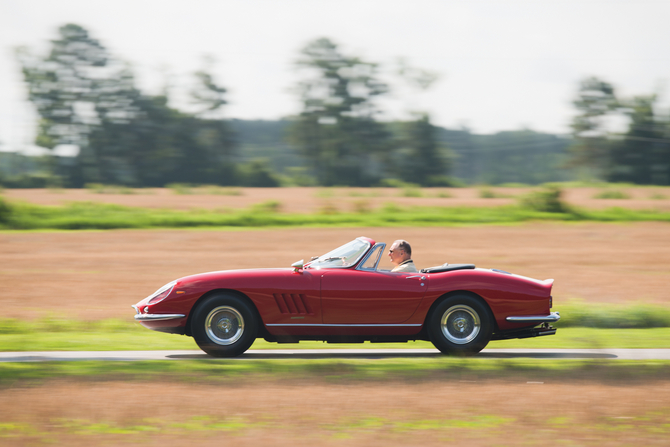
158,317
137,311
347,325
552,317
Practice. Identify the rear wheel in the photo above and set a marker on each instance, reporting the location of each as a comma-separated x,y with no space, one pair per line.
461,325
224,325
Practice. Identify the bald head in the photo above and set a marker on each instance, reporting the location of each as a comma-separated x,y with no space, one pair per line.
400,251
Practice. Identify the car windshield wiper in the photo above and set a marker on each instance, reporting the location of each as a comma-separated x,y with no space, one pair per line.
334,258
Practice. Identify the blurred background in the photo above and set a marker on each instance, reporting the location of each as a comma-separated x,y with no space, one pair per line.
333,93
398,103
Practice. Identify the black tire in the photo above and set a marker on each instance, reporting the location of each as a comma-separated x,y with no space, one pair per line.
224,325
460,325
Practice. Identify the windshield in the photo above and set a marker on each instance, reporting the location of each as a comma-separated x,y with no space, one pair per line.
344,256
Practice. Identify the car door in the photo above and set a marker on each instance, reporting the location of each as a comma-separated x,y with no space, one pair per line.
370,297
293,298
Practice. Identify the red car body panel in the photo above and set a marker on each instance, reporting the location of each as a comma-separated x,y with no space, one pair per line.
380,297
310,302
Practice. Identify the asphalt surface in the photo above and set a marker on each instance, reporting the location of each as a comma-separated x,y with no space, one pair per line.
278,354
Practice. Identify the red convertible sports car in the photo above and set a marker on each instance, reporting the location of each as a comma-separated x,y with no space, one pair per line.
343,297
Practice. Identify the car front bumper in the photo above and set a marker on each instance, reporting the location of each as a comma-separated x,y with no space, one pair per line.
156,317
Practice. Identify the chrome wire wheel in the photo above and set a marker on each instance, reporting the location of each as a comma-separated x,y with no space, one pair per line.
460,324
224,325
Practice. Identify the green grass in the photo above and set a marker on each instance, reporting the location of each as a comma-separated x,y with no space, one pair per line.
180,188
221,190
90,215
54,334
613,316
94,341
611,194
99,188
645,427
582,326
343,427
411,191
64,335
488,193
145,339
234,371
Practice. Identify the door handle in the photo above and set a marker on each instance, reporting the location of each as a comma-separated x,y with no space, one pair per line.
416,276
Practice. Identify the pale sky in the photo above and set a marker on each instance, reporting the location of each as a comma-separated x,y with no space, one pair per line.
504,64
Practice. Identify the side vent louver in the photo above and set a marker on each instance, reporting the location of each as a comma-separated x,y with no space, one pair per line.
292,303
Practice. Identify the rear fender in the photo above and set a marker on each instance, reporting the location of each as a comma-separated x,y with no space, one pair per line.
454,293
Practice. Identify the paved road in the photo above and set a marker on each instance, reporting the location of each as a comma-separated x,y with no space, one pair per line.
553,354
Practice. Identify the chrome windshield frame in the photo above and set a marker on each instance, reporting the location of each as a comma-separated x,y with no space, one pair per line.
370,253
355,263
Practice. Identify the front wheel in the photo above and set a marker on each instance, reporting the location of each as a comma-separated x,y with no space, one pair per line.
224,325
461,325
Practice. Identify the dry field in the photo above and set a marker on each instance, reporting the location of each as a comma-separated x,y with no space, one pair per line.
498,413
307,200
99,274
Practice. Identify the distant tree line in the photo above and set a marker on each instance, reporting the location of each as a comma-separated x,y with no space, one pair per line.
86,98
522,156
639,154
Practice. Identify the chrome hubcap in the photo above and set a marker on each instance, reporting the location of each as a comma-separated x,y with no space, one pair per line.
224,325
460,324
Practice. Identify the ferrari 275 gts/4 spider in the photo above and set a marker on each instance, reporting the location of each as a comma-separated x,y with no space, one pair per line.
344,297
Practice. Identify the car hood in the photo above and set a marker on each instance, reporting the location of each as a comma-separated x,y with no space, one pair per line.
233,275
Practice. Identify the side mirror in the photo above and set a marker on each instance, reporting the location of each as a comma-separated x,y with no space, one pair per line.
298,265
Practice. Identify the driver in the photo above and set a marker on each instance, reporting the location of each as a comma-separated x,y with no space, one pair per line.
401,257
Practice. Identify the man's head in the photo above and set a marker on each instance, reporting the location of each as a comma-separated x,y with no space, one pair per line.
400,252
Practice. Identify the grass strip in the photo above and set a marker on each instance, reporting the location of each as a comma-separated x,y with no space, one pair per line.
90,215
236,372
343,427
648,427
574,314
582,325
577,313
138,338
